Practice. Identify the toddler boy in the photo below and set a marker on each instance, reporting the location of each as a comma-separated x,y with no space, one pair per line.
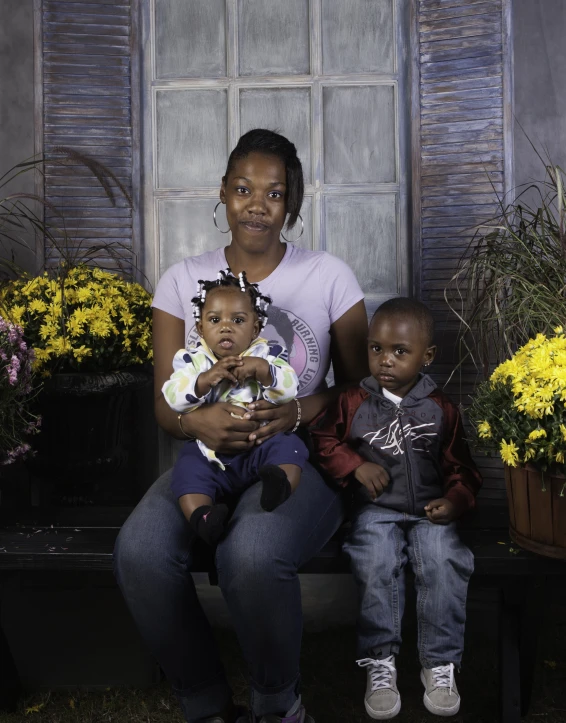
402,439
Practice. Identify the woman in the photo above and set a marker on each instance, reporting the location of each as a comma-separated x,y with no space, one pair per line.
318,307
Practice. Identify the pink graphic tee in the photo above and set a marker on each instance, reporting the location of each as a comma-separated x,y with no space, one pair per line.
310,291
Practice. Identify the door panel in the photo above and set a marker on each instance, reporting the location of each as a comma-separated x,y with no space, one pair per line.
359,134
357,36
176,216
273,37
190,39
191,137
285,109
362,230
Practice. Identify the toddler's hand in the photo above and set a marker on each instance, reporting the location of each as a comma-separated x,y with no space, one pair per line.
223,369
373,477
441,511
253,367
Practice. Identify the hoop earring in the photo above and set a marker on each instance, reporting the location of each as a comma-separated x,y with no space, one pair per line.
214,219
299,236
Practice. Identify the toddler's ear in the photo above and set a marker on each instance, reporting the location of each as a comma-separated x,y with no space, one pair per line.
198,327
429,355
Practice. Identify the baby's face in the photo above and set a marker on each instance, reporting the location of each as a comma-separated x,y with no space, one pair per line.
397,349
228,323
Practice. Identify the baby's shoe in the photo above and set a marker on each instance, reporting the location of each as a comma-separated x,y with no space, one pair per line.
209,522
382,699
441,695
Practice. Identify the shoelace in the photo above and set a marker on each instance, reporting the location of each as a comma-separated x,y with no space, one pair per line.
381,671
443,676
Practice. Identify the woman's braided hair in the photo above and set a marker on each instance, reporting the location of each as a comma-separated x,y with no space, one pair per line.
226,279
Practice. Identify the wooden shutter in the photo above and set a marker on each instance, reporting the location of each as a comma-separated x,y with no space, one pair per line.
462,155
87,106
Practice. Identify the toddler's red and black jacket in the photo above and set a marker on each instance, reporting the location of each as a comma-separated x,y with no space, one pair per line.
420,442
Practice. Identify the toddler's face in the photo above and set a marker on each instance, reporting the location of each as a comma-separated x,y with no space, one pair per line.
228,323
397,349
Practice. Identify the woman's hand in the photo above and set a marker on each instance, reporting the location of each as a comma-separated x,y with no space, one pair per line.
222,427
279,418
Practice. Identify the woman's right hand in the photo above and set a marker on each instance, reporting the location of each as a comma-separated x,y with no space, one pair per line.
215,426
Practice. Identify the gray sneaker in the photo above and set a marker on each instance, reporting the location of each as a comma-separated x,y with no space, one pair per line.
382,699
441,695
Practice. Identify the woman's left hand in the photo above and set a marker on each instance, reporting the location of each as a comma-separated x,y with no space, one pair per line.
279,418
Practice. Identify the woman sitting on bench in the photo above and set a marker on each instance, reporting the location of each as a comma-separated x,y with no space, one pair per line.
318,313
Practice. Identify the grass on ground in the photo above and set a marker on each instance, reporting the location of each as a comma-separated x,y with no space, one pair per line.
333,686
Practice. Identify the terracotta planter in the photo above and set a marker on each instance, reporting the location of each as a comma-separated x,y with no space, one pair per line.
537,512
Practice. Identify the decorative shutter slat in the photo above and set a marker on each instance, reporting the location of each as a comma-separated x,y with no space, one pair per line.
87,106
462,160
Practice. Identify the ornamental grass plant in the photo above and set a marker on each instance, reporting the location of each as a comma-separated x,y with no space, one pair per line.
511,283
520,412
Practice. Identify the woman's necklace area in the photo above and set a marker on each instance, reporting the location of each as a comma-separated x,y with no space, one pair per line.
255,272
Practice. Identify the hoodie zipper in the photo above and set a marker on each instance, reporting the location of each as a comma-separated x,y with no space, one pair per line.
399,413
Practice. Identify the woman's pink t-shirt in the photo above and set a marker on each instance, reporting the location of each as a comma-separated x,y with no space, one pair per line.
310,291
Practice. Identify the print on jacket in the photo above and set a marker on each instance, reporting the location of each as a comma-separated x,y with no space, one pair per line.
390,438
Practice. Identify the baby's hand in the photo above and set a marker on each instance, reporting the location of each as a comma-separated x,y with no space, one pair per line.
373,477
223,369
254,367
441,511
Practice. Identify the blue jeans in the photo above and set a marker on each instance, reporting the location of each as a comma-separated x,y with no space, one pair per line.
379,545
257,566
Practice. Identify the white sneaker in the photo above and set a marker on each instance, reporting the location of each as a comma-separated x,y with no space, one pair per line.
382,699
441,695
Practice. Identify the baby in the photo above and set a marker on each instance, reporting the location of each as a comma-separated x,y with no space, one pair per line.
231,363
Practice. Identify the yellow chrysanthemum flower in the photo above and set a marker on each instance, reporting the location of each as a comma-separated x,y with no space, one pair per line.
81,352
16,314
484,430
509,453
37,305
529,454
536,434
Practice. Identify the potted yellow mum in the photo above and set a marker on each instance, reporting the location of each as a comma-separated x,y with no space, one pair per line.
520,413
81,319
90,330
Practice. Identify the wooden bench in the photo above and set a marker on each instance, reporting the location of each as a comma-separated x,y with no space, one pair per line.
519,577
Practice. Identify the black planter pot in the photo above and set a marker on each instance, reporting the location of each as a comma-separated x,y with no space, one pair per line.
84,430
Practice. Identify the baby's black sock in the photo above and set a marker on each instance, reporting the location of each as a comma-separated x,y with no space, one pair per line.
276,487
209,522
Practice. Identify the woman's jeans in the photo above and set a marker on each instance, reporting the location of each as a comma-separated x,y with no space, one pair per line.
379,545
257,565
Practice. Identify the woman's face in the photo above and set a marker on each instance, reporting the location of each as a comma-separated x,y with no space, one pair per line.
254,194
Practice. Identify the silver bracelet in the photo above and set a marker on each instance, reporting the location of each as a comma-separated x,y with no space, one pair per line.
299,412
